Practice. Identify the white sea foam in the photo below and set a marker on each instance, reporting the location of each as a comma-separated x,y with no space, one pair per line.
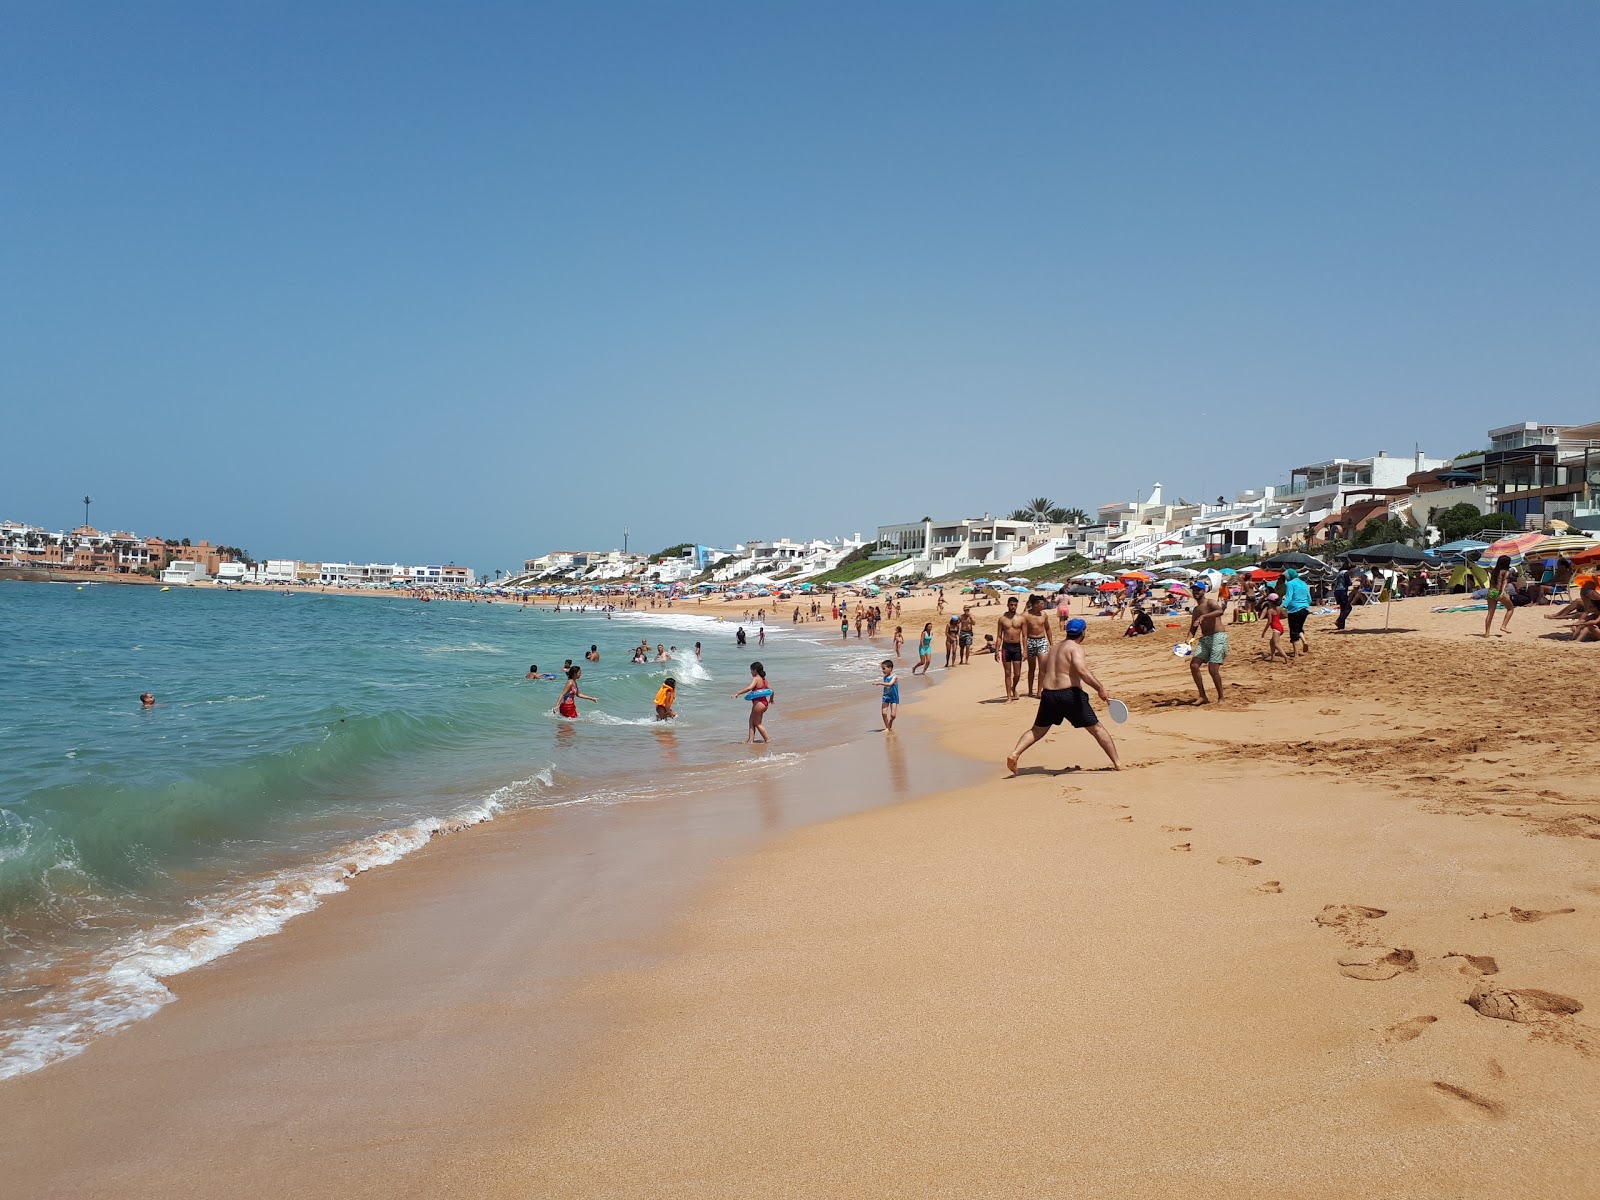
124,984
469,648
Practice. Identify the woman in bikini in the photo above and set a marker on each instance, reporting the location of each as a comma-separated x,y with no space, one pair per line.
1501,580
567,706
759,693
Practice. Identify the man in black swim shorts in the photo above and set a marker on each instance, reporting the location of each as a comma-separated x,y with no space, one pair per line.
1010,632
1064,696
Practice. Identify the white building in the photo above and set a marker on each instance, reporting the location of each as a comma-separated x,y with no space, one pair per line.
940,547
185,571
1325,488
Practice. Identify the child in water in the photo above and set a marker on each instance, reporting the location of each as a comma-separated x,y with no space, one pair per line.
666,695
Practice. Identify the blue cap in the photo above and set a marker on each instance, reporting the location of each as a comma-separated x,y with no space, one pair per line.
1076,625
1199,585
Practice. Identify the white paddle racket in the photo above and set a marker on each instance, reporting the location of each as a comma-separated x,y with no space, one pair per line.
1117,711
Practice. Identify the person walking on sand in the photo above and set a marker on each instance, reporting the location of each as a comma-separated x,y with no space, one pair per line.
925,650
899,640
1273,627
967,627
1296,608
890,683
759,693
1063,696
1502,579
1036,628
1211,650
1009,631
952,628
1342,583
567,706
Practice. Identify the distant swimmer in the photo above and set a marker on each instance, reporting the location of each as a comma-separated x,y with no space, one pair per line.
738,636
594,654
661,653
760,695
666,696
533,673
697,649
570,694
761,636
147,700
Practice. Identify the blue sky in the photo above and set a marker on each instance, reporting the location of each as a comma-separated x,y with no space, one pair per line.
469,282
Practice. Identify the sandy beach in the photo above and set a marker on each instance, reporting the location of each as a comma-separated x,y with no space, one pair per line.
1336,937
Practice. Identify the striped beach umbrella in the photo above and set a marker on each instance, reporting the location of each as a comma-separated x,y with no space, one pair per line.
1516,546
1565,543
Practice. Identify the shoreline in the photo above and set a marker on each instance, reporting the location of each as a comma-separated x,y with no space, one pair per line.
417,980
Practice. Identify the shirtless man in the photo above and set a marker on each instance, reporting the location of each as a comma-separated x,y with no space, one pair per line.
966,628
1212,648
1036,628
1063,696
1010,633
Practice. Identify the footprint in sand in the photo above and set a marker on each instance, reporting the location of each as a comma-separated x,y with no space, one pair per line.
1475,964
1524,1006
1524,916
1480,1106
1405,1031
1239,862
1271,887
1177,829
1181,846
1376,963
1341,916
1124,818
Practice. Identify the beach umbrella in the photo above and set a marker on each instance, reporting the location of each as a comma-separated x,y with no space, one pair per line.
1393,553
1587,556
1516,545
1049,587
1300,562
1112,585
1565,543
1141,576
1459,548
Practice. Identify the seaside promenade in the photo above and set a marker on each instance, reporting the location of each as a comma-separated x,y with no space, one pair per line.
1335,938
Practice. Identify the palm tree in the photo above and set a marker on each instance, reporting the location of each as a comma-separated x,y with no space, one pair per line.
1074,516
1042,511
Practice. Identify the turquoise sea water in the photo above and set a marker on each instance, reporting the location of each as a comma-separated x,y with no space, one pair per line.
299,740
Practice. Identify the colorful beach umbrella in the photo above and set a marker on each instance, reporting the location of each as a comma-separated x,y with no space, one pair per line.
1515,546
1112,586
1141,576
1566,543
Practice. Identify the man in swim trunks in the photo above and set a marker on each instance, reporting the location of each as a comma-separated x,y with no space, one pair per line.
1062,696
1212,648
1036,628
967,627
1010,633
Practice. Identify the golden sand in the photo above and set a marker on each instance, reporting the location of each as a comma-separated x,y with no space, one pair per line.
1335,938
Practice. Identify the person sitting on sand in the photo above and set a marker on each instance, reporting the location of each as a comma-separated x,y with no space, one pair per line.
666,696
988,646
1062,696
1586,605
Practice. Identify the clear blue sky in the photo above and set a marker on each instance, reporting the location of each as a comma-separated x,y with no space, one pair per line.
472,281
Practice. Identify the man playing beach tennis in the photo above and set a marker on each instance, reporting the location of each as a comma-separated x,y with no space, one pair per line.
1010,633
1212,648
1062,696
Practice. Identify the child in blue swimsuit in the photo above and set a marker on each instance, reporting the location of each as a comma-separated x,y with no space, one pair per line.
890,683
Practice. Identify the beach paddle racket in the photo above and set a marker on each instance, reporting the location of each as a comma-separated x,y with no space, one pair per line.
1117,711
1183,650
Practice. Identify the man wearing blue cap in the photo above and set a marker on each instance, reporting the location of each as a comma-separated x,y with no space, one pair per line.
1062,695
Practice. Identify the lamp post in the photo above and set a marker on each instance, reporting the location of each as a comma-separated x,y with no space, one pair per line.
86,503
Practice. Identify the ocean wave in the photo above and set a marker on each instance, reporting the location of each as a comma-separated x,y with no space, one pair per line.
469,648
124,984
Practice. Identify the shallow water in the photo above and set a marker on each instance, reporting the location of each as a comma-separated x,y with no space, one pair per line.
298,741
